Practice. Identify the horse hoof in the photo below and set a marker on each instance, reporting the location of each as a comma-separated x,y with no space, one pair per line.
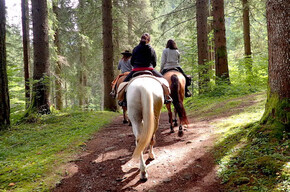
180,133
144,177
125,121
171,131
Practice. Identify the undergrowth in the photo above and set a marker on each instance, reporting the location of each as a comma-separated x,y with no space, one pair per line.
251,156
31,152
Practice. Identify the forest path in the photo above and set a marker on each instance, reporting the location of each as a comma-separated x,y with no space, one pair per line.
182,164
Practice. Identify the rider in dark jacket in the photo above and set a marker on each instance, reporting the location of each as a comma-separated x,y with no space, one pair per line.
143,58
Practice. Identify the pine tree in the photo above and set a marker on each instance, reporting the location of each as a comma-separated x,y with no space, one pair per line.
26,49
221,59
40,98
58,67
108,55
277,110
201,18
4,94
247,37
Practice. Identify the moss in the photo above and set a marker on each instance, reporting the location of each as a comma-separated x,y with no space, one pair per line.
277,112
221,51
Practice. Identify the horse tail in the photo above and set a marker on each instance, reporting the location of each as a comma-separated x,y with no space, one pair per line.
147,130
177,103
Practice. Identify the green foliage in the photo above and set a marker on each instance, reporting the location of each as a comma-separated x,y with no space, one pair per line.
252,157
277,111
31,152
15,71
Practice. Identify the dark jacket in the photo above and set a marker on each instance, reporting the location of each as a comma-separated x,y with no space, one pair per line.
143,56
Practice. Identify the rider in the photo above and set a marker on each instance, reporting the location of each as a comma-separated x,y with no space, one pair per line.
170,60
144,58
125,66
125,63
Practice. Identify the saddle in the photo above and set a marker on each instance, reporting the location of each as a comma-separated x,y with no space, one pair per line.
188,78
122,89
145,72
172,69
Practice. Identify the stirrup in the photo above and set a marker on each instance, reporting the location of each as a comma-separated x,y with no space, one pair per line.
122,103
168,100
188,93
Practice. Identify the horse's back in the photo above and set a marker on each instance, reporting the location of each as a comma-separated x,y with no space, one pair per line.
179,75
145,85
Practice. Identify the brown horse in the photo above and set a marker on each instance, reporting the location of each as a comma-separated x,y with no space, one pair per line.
115,86
177,86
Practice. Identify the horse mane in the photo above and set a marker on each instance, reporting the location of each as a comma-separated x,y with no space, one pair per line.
178,104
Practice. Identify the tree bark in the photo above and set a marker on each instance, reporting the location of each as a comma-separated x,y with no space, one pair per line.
130,23
4,93
58,67
116,35
210,34
278,102
83,98
108,54
26,49
202,45
40,98
247,37
221,60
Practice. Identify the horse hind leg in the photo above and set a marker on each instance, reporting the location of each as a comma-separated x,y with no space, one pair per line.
151,153
180,131
168,106
143,171
125,121
175,119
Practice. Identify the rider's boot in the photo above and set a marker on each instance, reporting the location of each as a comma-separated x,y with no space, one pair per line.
187,92
124,102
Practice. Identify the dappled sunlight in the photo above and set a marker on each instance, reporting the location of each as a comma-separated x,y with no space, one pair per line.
168,160
110,155
285,173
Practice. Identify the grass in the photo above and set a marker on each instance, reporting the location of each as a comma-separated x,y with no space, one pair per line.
251,156
30,153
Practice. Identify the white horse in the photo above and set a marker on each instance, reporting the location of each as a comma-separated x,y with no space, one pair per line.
144,100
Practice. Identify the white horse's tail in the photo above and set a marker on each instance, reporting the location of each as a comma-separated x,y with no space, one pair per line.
146,134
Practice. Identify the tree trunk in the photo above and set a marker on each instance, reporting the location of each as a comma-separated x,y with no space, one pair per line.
130,24
83,98
58,67
40,98
201,16
247,38
210,35
116,35
221,60
108,55
4,93
278,101
26,50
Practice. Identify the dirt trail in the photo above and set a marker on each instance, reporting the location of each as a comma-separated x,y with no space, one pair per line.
182,163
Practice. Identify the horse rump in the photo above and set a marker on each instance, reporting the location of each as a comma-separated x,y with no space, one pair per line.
177,103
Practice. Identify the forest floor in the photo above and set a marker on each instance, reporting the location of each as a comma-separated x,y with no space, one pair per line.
182,164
